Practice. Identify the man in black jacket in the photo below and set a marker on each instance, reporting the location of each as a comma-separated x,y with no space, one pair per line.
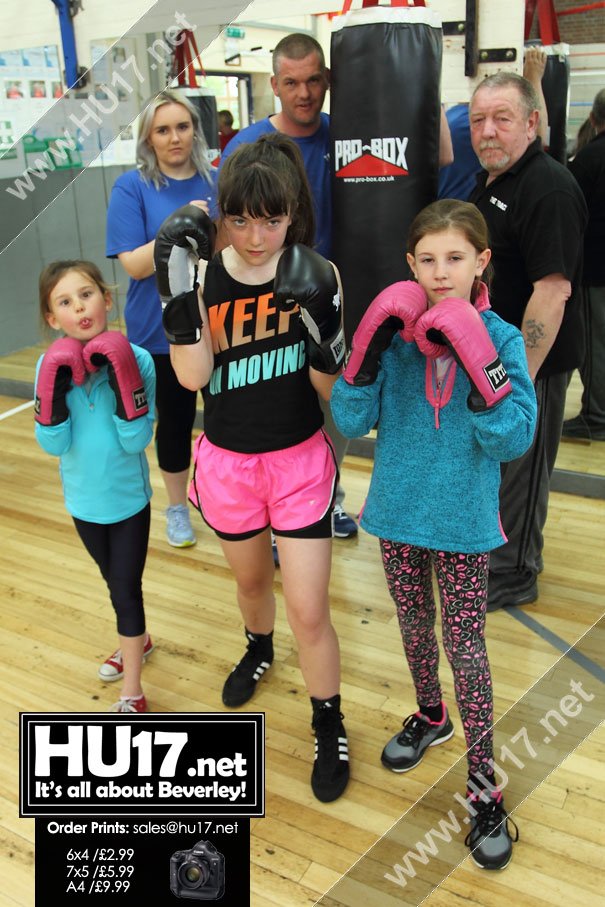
536,216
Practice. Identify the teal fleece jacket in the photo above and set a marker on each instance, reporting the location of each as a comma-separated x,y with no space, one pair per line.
436,473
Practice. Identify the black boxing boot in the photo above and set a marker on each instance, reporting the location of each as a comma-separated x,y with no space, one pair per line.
241,683
331,767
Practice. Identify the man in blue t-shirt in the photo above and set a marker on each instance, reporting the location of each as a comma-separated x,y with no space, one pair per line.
458,179
300,80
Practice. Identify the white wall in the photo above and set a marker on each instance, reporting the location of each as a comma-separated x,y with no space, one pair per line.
587,63
500,25
40,25
103,23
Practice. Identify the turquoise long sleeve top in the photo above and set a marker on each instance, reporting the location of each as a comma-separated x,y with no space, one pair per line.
102,459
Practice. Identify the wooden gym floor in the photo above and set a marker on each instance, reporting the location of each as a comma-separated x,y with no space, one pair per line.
57,625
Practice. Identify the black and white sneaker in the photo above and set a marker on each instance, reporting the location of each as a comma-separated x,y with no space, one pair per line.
330,773
241,683
274,550
406,749
489,839
345,526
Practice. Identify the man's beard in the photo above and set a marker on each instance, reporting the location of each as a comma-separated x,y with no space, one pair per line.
492,164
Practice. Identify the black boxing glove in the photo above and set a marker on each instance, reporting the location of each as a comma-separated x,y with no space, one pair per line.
305,278
185,237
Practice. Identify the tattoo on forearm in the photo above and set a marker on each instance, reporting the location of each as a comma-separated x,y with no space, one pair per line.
534,334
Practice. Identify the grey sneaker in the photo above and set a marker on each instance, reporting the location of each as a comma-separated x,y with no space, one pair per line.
489,839
178,527
406,749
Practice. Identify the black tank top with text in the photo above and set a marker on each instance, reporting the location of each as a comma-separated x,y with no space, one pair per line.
259,397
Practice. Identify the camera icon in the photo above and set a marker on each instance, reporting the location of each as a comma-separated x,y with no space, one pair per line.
199,873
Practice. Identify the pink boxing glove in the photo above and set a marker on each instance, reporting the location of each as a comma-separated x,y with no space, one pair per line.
113,349
455,324
396,308
62,364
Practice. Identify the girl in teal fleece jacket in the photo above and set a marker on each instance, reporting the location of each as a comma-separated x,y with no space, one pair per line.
445,421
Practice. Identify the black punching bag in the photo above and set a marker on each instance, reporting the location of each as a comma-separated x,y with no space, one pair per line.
555,86
204,102
384,121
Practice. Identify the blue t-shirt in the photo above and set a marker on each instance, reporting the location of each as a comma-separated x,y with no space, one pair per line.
136,211
315,150
458,179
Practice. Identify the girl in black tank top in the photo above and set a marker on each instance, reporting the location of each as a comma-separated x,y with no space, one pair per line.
264,462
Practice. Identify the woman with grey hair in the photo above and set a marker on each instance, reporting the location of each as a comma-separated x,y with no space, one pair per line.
173,170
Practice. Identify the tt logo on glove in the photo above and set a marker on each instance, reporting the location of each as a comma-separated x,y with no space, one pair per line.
338,348
495,374
139,399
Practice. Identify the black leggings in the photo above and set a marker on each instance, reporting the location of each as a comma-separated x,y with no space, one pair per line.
176,414
120,550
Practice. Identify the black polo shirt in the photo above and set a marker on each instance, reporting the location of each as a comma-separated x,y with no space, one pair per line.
588,167
536,217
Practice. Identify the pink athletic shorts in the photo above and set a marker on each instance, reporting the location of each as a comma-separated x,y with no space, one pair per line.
292,490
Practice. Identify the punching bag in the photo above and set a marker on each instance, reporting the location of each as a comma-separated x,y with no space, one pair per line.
183,70
555,86
204,102
384,121
555,81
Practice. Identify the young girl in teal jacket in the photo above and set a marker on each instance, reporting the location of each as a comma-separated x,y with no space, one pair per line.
446,382
95,402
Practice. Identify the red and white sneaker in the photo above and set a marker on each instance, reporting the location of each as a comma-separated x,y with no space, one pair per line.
130,704
113,668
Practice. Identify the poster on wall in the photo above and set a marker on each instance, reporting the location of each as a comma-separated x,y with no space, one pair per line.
30,82
114,144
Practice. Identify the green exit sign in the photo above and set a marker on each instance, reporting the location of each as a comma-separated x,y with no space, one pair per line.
234,32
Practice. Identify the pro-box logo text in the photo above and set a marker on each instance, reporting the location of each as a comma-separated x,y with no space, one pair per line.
378,157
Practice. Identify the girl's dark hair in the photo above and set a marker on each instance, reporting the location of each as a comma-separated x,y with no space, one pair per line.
586,134
598,110
52,274
451,214
267,178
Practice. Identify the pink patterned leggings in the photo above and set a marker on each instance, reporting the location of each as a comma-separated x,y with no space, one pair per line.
462,581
